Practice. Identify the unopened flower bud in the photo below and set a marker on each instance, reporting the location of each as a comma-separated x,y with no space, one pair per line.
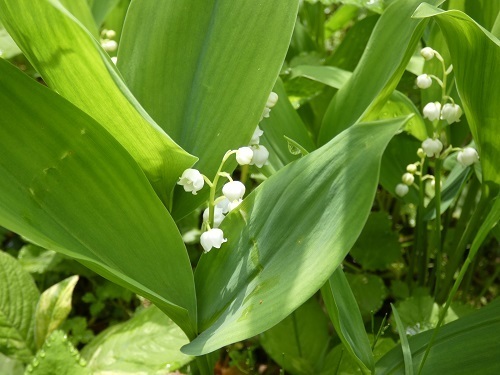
420,153
244,155
233,190
468,156
424,81
402,189
260,155
110,34
109,45
408,179
432,111
451,113
427,53
432,147
411,168
212,238
191,180
272,100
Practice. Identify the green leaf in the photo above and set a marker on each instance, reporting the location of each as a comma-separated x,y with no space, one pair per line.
385,59
377,246
208,72
369,291
300,341
297,225
328,75
147,343
405,346
18,297
346,318
466,346
36,259
10,366
8,48
72,63
101,8
472,49
67,185
53,308
80,9
57,356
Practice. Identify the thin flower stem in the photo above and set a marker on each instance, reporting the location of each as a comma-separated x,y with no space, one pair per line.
437,243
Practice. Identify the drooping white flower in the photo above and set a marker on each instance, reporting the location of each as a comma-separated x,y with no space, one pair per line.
109,45
408,179
272,100
233,190
468,156
256,136
218,216
412,168
234,204
427,53
424,81
223,205
212,238
114,59
260,155
191,180
244,155
432,147
451,113
265,113
110,34
432,111
402,189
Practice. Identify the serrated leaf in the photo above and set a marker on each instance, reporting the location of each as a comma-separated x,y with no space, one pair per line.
18,298
69,186
72,62
147,343
57,356
297,225
53,308
211,70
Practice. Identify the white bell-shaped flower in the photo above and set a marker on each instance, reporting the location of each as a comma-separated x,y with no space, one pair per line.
427,53
244,155
408,179
234,204
223,205
109,45
451,113
432,147
233,190
432,111
260,155
272,100
191,180
265,113
424,81
256,136
212,238
468,156
402,189
218,216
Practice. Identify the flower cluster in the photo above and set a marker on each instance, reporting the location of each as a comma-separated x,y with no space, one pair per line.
233,191
107,42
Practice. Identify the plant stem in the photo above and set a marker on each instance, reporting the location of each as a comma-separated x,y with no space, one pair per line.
419,257
203,365
437,242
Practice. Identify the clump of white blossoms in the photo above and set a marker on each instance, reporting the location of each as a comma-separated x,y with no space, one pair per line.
233,191
107,42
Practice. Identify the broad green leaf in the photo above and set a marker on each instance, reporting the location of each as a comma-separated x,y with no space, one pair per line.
484,12
284,121
58,356
72,63
474,49
466,346
208,73
8,48
10,366
81,10
297,225
328,75
299,342
36,259
378,245
101,8
405,347
18,298
386,56
53,308
67,185
147,343
346,318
